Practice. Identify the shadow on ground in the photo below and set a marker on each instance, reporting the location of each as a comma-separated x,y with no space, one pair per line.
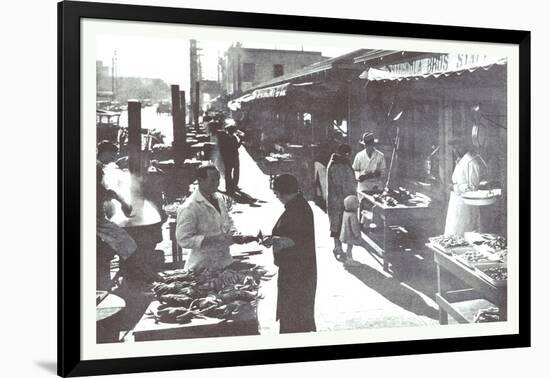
393,290
244,198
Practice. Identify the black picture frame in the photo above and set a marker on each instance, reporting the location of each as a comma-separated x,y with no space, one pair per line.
69,188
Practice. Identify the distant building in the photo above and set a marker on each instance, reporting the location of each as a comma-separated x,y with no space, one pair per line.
247,67
209,89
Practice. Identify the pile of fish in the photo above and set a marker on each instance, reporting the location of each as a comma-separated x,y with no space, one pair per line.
223,294
497,273
474,256
450,241
392,198
496,243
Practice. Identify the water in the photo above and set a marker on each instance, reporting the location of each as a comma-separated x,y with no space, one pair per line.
151,120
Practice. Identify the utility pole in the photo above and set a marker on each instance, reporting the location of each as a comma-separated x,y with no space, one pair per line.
193,70
113,75
196,110
198,87
219,67
199,65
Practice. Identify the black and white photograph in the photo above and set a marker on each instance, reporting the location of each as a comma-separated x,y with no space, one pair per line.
264,189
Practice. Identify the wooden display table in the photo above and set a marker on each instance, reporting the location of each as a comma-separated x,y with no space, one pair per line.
245,324
394,219
201,150
148,329
448,299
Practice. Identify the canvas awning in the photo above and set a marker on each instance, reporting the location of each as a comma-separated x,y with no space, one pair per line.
434,66
299,91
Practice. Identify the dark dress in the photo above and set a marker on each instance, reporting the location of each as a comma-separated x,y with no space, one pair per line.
297,279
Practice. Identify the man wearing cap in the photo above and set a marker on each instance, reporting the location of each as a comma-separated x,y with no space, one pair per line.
229,151
369,165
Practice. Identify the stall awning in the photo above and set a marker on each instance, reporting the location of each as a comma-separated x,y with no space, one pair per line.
301,90
434,66
269,92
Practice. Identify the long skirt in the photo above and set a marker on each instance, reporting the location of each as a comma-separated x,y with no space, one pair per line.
296,300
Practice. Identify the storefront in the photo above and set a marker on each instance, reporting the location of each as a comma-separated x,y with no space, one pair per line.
303,114
440,97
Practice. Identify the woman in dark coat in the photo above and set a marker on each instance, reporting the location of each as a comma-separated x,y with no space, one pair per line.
293,241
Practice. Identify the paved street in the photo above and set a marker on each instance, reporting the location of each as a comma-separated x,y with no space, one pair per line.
347,298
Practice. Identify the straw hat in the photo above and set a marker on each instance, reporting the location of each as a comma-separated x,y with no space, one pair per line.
367,138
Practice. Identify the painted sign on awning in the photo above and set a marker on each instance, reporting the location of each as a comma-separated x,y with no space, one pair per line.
436,65
270,92
276,91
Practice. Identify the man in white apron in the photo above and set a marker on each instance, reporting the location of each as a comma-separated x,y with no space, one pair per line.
461,217
204,225
370,165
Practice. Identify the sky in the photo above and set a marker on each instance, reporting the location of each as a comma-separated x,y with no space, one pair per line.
168,59
161,51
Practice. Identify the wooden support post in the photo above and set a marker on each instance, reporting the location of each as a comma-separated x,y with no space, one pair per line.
193,71
197,105
443,317
177,148
134,138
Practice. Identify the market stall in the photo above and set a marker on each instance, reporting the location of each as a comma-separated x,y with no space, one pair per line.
211,303
479,261
397,218
277,163
443,97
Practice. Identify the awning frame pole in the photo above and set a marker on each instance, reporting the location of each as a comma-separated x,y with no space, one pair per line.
393,158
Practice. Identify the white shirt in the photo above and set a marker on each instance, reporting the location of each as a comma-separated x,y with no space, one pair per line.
198,218
363,164
462,217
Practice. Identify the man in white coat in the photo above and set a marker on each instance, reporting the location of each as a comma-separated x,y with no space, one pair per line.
369,165
204,225
462,217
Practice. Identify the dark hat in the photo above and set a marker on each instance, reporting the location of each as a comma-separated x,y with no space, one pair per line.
368,137
285,184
